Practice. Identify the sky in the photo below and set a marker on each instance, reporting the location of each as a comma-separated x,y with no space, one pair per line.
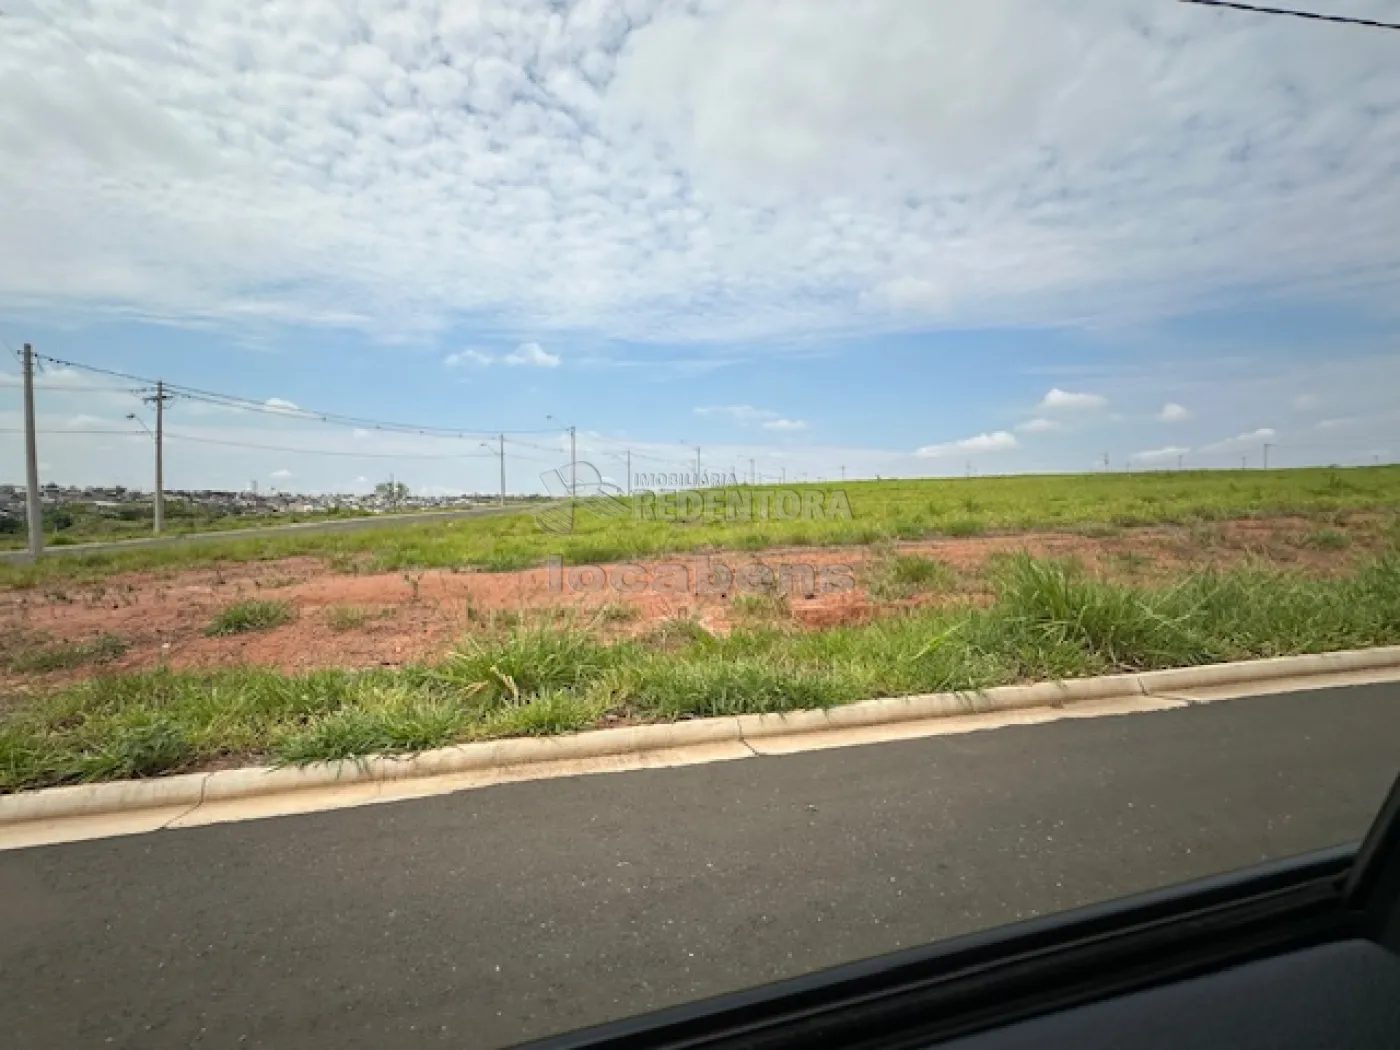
874,238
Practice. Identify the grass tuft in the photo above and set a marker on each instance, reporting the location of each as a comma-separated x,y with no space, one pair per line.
251,614
903,575
23,656
341,618
1327,540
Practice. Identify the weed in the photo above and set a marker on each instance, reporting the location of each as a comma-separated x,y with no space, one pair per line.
1132,563
39,658
528,661
911,530
349,617
902,575
770,606
616,612
251,614
676,632
962,527
1327,540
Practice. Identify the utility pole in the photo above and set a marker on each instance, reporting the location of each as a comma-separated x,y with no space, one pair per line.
1244,462
1267,446
160,457
1105,462
159,400
573,463
785,475
753,474
503,470
629,472
697,466
31,461
843,473
1179,460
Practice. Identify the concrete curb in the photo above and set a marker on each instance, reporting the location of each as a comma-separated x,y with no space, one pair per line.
194,789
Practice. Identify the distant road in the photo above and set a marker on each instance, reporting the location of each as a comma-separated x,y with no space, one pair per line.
337,525
483,918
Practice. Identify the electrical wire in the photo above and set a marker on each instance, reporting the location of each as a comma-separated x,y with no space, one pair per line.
1316,16
61,433
321,451
251,405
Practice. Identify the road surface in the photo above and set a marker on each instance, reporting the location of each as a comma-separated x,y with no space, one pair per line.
491,916
304,527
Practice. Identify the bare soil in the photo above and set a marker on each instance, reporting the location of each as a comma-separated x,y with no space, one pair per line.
413,616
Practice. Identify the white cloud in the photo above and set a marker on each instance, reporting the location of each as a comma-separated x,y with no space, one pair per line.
1306,402
281,475
1039,425
1174,413
279,404
1253,437
1064,400
700,171
1170,452
531,354
997,441
739,413
785,425
467,357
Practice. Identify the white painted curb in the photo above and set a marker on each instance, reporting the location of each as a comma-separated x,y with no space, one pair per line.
194,789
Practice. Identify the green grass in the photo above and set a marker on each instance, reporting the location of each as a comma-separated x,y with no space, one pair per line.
91,523
903,575
1049,619
1096,504
251,614
26,655
774,606
1327,540
341,618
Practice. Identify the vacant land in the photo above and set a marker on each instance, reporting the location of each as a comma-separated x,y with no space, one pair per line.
92,523
879,511
400,640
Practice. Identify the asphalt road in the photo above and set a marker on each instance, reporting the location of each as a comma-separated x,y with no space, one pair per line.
304,527
491,916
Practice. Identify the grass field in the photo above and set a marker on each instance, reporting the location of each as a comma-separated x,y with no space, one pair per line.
78,523
88,523
1048,619
880,511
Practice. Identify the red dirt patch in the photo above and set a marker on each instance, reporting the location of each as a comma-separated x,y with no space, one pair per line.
416,615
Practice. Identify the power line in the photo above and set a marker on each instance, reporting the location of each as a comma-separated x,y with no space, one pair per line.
61,433
297,412
1315,16
322,451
